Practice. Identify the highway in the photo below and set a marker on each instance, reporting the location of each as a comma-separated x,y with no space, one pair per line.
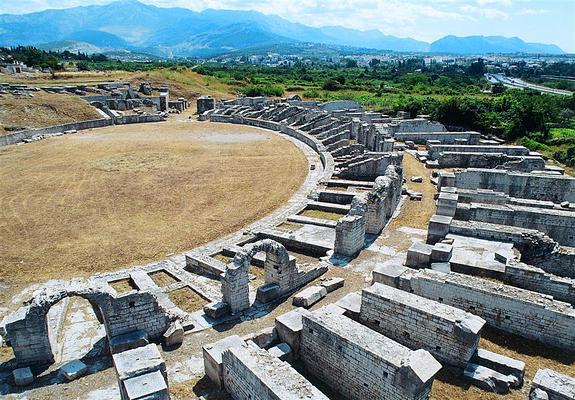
521,84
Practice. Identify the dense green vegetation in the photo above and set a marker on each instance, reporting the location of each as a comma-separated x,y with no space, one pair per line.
34,57
454,94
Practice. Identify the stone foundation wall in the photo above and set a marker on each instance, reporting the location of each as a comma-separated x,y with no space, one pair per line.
451,335
359,363
530,186
537,280
443,137
253,373
558,224
518,311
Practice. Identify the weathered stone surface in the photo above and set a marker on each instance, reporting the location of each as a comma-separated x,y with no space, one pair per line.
417,179
23,376
309,296
253,373
213,365
538,394
128,341
556,385
174,336
500,363
383,369
216,310
489,380
73,370
333,284
451,335
282,351
289,327
150,386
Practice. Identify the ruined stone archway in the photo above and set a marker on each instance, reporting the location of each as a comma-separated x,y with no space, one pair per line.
29,335
280,271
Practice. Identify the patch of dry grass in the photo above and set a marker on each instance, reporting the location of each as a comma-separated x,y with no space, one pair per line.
416,214
162,278
44,109
123,285
331,216
113,197
187,299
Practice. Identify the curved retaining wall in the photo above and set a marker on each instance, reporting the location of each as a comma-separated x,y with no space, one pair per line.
78,126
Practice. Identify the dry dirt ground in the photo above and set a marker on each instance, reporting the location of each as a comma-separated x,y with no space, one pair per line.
108,198
44,109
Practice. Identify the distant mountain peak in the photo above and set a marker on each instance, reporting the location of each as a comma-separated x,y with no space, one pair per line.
133,25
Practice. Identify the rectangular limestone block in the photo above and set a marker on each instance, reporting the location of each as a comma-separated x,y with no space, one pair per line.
23,376
500,363
139,361
419,255
309,296
556,385
333,284
150,386
351,303
212,353
282,351
216,310
441,252
73,370
128,341
289,326
388,274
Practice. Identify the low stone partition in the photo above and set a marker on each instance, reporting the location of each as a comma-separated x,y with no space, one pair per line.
528,314
537,280
555,188
470,137
435,150
558,224
78,126
536,248
487,196
488,160
250,372
553,385
370,166
451,335
359,363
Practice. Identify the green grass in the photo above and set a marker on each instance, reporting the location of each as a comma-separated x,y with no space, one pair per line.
558,133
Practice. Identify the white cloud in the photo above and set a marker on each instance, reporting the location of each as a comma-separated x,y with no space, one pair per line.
533,11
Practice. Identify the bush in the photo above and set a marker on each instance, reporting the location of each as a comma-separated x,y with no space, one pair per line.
532,144
331,85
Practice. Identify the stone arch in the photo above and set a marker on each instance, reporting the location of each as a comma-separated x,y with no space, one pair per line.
279,270
27,329
28,332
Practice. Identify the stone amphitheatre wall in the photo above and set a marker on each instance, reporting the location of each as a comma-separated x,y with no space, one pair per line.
77,126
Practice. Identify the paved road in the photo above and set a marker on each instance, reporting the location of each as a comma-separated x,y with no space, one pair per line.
519,83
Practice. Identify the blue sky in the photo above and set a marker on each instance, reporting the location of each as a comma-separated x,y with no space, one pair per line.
545,21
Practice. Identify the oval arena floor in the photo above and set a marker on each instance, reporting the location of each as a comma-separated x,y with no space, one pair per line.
104,199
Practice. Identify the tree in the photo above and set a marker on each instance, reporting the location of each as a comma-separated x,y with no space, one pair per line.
477,68
374,63
498,88
349,63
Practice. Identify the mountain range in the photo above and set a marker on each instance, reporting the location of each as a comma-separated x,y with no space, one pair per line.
129,25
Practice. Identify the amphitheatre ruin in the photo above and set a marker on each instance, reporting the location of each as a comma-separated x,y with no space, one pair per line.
255,248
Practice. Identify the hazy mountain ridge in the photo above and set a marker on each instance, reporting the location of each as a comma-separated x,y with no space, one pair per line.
166,32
